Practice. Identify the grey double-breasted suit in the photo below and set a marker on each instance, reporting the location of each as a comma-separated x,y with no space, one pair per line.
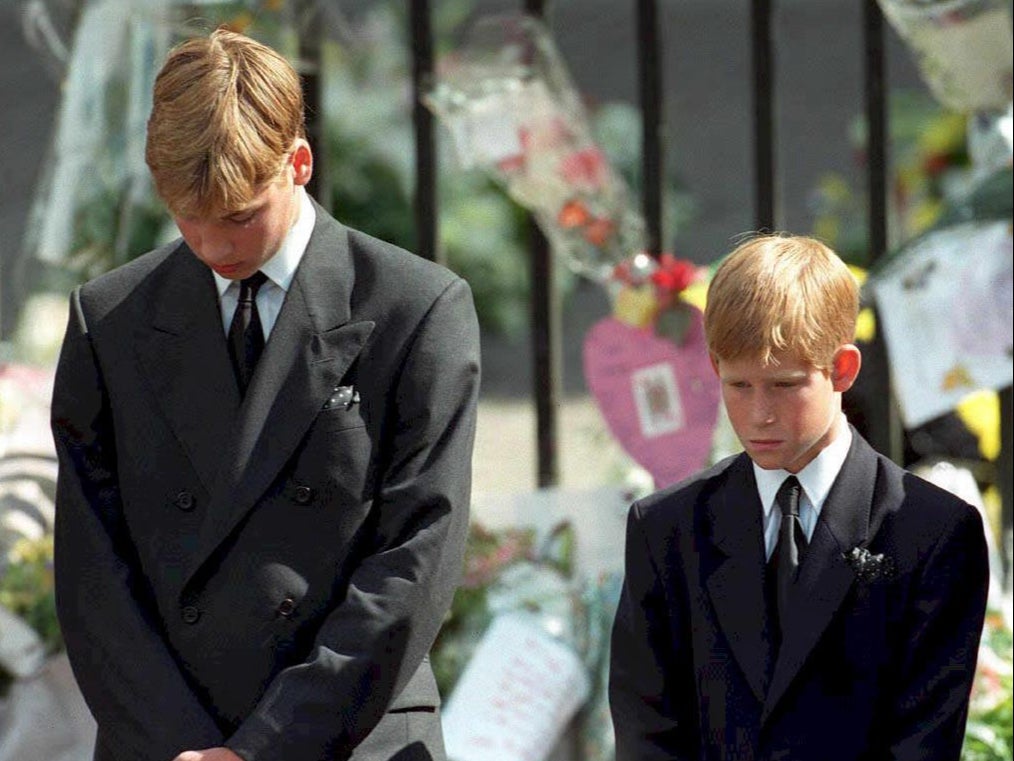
266,573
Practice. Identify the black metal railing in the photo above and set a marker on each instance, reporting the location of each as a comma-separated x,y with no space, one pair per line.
883,424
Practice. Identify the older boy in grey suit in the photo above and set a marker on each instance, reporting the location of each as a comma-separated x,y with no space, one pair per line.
265,433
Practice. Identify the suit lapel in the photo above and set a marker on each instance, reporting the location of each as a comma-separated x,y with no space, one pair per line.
185,362
736,583
310,347
825,576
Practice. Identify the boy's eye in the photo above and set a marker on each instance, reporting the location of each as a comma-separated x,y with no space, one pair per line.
242,219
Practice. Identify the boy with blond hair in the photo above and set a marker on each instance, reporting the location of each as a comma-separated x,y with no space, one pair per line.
265,432
807,599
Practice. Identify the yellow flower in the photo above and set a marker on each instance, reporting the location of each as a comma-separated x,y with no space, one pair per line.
957,377
944,134
636,306
981,413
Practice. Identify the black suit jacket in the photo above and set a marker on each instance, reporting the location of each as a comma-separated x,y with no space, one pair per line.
267,573
869,668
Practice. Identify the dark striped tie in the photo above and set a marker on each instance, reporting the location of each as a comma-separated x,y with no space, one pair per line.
246,336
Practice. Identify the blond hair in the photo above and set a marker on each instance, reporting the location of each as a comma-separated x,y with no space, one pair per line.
781,294
226,111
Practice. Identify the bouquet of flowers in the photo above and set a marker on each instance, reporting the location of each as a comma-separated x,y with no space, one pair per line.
512,111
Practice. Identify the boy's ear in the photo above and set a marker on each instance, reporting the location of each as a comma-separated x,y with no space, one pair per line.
302,162
845,366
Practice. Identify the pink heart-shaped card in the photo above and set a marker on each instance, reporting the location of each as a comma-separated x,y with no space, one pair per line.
659,399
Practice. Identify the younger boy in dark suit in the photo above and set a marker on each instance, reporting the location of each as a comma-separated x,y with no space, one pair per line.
806,599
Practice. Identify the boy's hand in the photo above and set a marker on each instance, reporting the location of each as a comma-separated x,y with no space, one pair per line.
209,754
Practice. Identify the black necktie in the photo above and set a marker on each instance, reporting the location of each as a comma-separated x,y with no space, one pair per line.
790,548
246,336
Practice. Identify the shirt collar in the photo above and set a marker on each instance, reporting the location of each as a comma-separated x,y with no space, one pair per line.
816,478
281,267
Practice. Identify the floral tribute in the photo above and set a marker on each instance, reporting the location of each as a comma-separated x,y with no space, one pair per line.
507,100
649,294
963,49
513,570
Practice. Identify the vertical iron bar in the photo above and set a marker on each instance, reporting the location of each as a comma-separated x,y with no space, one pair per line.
650,86
876,120
546,338
425,200
311,64
884,429
546,347
765,184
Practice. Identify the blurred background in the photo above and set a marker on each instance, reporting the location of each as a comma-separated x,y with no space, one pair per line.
75,77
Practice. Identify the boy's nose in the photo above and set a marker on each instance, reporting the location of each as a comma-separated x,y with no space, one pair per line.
764,411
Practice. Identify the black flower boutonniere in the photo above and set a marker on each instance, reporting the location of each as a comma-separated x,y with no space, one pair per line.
869,567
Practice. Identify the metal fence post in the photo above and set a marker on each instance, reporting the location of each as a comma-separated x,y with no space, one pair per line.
650,88
546,332
425,199
765,181
884,425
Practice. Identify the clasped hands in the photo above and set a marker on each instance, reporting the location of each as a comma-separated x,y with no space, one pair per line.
208,754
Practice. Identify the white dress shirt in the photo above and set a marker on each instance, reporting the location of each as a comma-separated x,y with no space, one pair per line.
280,269
815,479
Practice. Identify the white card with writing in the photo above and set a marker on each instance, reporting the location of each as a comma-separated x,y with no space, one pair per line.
516,696
659,408
946,310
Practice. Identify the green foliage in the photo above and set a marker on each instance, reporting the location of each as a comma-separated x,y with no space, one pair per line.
26,589
110,230
928,160
484,235
988,737
990,732
487,554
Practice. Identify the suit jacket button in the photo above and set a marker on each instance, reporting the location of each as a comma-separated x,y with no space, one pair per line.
286,607
185,501
303,495
190,614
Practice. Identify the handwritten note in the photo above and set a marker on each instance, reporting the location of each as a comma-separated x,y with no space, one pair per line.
516,696
945,308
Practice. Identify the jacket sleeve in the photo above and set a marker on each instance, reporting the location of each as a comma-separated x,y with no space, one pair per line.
376,638
132,684
643,667
942,634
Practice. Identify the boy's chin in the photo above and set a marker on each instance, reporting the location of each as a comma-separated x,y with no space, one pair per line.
769,459
768,462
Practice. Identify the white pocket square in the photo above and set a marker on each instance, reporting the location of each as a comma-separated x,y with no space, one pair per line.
342,396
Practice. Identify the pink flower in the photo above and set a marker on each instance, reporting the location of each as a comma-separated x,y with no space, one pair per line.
585,168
